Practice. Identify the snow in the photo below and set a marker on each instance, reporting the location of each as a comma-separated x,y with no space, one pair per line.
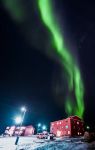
32,143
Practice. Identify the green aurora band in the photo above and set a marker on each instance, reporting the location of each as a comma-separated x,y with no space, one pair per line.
15,9
75,82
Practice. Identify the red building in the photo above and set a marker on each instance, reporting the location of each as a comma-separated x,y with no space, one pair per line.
72,126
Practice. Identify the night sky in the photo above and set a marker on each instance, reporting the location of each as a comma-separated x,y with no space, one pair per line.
27,73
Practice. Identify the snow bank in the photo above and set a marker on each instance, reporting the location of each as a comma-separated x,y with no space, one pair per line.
32,143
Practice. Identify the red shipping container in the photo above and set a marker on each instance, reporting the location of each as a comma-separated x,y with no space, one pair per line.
72,126
29,130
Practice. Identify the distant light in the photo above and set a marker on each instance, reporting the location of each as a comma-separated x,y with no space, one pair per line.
23,109
88,127
39,124
44,127
18,120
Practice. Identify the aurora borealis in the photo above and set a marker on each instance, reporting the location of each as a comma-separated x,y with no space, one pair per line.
75,82
15,9
73,105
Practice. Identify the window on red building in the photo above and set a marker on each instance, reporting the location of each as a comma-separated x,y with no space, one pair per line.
66,126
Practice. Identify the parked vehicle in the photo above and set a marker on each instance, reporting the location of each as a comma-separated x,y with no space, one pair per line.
89,136
51,136
42,135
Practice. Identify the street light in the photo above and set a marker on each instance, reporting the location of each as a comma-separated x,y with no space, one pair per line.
44,127
23,109
39,125
19,120
88,127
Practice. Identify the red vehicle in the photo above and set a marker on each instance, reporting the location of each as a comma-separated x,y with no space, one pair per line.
72,126
45,135
42,135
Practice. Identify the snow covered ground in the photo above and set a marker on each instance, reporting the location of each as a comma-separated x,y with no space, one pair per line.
32,143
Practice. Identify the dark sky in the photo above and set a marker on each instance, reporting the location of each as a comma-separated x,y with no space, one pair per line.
26,73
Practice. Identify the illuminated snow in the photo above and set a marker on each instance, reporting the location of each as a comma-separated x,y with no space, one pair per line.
32,143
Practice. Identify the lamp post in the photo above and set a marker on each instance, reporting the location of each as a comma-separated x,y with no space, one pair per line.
39,127
44,128
19,120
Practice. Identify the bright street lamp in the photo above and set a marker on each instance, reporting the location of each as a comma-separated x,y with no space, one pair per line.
39,125
23,109
18,119
44,127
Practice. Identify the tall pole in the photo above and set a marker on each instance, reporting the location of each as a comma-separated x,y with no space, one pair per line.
23,116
